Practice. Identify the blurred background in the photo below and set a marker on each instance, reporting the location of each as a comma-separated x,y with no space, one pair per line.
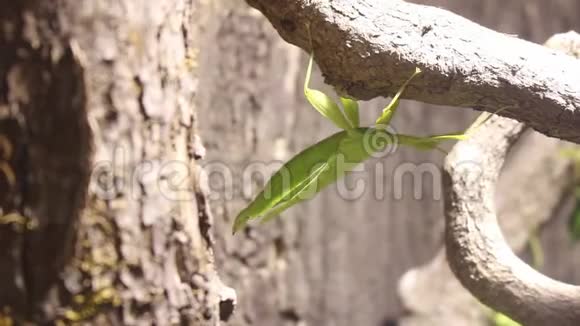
340,261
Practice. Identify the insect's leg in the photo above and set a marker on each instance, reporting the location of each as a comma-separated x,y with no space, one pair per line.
391,108
429,142
324,103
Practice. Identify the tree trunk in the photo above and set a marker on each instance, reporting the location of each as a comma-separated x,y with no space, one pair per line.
104,219
104,215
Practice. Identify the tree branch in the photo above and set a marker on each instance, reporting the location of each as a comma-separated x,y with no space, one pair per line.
367,48
529,193
476,249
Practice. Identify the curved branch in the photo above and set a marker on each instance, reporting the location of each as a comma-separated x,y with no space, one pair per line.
477,252
367,48
530,191
476,249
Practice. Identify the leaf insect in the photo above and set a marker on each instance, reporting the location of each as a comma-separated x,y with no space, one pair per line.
325,162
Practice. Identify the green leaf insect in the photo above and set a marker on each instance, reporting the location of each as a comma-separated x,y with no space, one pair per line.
327,161
310,171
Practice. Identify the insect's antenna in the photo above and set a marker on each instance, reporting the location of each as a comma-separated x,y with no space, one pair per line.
484,117
441,150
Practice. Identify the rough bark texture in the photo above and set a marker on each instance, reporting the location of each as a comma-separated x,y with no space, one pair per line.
476,250
368,48
133,66
529,193
105,221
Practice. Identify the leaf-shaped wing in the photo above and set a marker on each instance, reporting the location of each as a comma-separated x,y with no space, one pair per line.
306,190
289,177
323,103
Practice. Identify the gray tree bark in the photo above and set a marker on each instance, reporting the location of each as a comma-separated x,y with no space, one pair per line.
103,218
529,193
96,97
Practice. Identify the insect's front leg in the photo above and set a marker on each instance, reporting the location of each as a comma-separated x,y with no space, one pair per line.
429,142
391,108
323,103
